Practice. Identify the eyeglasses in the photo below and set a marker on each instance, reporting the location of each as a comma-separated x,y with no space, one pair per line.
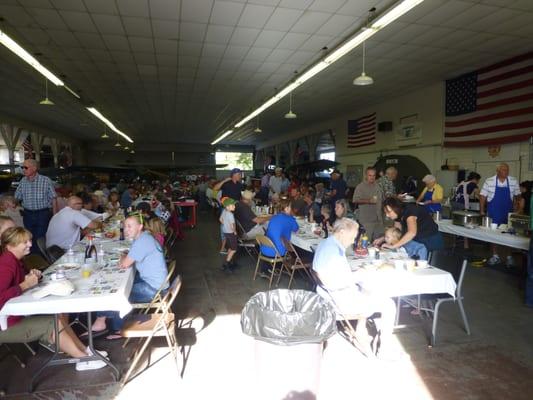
24,167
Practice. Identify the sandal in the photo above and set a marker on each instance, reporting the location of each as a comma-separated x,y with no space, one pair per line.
96,334
114,336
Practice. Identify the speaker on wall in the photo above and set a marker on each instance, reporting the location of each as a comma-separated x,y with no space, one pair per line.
385,126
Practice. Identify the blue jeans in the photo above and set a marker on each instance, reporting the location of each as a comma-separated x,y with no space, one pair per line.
416,250
529,278
141,292
37,223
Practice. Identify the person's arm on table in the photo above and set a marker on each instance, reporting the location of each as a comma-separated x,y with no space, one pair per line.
419,199
125,261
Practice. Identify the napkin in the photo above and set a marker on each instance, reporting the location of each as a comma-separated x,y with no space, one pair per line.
58,288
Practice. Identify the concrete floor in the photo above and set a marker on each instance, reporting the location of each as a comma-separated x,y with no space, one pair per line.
495,362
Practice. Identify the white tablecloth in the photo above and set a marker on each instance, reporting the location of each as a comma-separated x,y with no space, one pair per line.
305,238
108,288
485,234
396,283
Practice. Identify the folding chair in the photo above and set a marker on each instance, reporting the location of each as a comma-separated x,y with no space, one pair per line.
444,298
159,323
292,262
41,244
248,245
263,240
348,331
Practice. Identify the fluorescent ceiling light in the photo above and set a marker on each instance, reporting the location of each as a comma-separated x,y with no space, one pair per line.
19,51
110,125
72,92
394,13
389,16
229,132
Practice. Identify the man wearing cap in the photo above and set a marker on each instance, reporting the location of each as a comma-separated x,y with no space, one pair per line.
250,222
337,187
231,187
276,181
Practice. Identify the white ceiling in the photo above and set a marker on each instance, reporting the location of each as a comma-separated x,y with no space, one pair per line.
183,70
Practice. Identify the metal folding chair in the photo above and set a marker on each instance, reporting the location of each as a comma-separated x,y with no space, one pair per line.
445,298
41,244
248,245
345,321
292,262
263,240
161,322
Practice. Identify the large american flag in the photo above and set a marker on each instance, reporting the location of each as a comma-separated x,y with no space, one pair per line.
362,131
493,105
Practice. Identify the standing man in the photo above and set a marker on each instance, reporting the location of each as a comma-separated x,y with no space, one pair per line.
496,199
231,187
38,197
368,197
386,182
337,187
276,181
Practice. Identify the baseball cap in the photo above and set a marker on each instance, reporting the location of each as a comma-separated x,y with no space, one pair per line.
228,201
235,171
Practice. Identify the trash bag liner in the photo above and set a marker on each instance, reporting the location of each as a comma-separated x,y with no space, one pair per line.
288,317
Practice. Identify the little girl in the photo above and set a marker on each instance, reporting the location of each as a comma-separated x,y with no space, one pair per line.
413,249
156,227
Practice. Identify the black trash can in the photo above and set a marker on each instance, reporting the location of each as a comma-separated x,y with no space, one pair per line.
290,328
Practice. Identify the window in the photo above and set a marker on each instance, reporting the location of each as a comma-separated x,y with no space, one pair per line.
242,161
330,155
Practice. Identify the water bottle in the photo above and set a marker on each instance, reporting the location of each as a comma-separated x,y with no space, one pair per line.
364,241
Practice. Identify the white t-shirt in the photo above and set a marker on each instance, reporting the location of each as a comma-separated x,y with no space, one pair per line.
64,228
91,214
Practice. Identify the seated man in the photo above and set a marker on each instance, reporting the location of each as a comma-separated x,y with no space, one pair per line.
299,205
64,228
280,226
251,223
88,208
341,285
148,258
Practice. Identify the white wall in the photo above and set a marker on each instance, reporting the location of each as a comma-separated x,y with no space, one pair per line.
428,105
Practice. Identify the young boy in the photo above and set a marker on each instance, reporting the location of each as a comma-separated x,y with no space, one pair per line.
227,221
413,249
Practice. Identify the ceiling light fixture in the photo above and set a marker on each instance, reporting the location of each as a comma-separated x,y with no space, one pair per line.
109,124
363,79
117,144
225,134
126,147
19,51
72,92
46,101
257,129
290,114
132,151
393,13
105,135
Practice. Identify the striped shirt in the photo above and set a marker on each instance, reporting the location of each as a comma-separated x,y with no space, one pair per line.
36,194
489,187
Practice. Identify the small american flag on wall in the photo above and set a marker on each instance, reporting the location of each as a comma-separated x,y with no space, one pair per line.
28,148
490,106
362,131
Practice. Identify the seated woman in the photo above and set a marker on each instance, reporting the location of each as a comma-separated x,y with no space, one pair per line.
341,210
5,224
415,223
147,255
113,205
432,194
16,243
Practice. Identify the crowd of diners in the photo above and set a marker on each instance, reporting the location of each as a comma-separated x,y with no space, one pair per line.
62,215
390,219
